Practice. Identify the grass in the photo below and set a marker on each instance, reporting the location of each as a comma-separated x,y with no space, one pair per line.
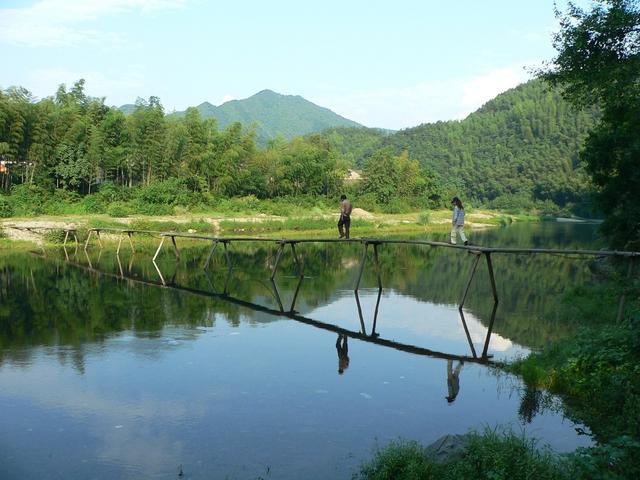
491,455
309,222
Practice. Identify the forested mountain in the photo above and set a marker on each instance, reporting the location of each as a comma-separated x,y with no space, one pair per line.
273,114
519,151
521,146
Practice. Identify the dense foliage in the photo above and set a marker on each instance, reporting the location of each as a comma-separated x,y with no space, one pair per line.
598,62
519,150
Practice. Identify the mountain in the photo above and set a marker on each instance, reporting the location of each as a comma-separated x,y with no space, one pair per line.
127,108
519,147
274,114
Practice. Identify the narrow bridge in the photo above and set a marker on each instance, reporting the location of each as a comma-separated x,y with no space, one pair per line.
476,251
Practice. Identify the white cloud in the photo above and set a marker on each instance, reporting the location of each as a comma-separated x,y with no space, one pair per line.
447,99
60,22
44,82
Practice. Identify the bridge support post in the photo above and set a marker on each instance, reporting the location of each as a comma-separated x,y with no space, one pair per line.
99,239
210,256
133,250
175,247
471,275
66,236
227,256
295,295
86,243
489,330
277,262
119,245
375,257
158,251
296,260
362,263
491,277
466,331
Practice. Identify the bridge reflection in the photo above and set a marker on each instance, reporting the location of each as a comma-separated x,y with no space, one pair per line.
373,336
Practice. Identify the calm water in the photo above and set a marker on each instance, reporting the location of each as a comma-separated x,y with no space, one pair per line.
109,377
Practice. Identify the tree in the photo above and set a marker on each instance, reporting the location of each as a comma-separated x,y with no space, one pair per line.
598,62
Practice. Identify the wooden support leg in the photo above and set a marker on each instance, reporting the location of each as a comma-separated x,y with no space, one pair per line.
375,257
158,250
295,294
466,289
119,245
297,260
360,316
228,256
119,265
86,243
175,247
375,314
276,294
491,277
86,254
66,236
75,239
489,330
275,265
213,249
133,250
362,263
466,331
158,270
99,239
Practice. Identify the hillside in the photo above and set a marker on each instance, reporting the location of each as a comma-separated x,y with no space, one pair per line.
521,146
274,114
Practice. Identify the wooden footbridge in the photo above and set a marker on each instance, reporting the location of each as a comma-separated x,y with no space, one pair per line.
477,251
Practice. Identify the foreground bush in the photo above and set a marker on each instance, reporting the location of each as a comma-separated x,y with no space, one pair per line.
491,455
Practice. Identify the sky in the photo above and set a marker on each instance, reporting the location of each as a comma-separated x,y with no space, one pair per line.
387,64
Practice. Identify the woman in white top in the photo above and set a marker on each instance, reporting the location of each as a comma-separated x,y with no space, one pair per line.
457,223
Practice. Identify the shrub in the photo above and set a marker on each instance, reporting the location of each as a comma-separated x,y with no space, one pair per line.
93,204
28,199
424,218
6,208
54,236
118,209
169,192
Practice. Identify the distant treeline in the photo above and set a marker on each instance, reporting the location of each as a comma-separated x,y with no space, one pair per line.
518,151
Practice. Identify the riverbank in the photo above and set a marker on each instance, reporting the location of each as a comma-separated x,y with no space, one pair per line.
364,223
596,374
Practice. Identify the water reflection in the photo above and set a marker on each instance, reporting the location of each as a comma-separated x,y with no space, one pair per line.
453,380
113,367
342,348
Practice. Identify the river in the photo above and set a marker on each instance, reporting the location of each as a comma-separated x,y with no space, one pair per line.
106,373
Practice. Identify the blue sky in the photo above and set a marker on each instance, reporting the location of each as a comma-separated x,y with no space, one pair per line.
381,63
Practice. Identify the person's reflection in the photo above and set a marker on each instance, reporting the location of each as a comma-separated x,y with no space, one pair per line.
453,380
343,353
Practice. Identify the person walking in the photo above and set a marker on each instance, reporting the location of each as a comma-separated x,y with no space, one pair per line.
345,217
457,223
453,380
343,353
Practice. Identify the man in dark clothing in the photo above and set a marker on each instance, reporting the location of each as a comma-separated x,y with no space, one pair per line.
345,217
343,353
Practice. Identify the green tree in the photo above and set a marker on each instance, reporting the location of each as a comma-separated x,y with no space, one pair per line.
598,62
